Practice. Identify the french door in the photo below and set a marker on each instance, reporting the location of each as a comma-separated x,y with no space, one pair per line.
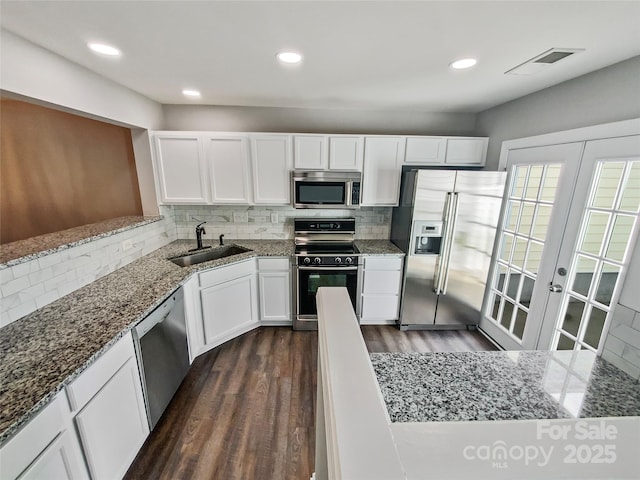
569,221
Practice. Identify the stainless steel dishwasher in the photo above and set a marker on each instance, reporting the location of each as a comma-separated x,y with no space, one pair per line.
163,354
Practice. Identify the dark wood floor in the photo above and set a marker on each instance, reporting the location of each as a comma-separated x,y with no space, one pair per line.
389,339
246,410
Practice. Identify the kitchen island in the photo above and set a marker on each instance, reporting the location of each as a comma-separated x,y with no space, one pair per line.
467,386
443,414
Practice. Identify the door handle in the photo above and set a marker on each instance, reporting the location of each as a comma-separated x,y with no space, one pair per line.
557,288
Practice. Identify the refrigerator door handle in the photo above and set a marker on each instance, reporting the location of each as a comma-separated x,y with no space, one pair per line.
452,216
439,276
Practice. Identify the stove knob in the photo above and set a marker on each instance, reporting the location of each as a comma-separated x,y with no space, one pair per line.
317,260
338,260
349,260
306,261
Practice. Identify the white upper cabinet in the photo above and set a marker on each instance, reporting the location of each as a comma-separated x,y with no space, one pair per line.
229,174
181,168
255,168
382,169
310,152
327,152
466,151
452,151
345,153
425,150
272,164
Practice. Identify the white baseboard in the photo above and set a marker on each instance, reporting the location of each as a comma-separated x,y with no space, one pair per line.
373,321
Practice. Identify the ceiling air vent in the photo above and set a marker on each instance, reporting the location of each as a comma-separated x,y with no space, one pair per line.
543,61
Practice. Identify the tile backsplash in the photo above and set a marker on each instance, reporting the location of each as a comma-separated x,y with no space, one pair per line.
31,285
622,345
258,222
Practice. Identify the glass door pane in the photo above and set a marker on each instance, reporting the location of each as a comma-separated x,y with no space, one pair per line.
608,222
535,206
530,198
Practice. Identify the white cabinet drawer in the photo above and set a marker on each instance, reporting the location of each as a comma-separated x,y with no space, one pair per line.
380,307
383,263
381,282
274,264
96,376
226,273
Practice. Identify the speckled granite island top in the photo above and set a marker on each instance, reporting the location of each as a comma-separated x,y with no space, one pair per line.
47,349
442,387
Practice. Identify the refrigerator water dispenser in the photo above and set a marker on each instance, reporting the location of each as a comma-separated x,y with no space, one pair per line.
427,238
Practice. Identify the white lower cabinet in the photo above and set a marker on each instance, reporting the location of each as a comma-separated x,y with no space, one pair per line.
228,303
104,405
381,285
45,448
109,411
113,425
274,279
59,461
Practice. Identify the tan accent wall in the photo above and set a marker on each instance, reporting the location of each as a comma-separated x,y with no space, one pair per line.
59,171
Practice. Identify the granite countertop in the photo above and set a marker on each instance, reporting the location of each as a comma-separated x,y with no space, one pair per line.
47,349
443,387
377,247
21,251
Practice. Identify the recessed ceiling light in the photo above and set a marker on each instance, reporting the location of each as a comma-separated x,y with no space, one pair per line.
104,49
289,57
190,93
463,63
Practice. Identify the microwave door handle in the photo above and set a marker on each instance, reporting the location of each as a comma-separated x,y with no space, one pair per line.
348,192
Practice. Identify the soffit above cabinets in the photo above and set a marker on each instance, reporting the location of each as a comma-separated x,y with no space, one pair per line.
391,55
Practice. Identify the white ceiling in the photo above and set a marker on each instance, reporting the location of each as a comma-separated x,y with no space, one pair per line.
381,54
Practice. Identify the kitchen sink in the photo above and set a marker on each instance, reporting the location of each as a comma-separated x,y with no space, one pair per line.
207,255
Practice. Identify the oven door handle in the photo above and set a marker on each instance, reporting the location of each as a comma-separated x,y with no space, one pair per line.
328,268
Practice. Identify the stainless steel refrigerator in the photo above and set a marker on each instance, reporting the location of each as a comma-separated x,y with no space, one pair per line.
446,223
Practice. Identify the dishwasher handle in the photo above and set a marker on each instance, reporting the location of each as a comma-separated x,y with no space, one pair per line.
158,315
146,326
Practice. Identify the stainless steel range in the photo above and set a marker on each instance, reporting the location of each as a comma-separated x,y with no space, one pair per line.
325,256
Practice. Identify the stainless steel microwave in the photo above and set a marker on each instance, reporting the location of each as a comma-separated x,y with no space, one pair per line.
321,189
